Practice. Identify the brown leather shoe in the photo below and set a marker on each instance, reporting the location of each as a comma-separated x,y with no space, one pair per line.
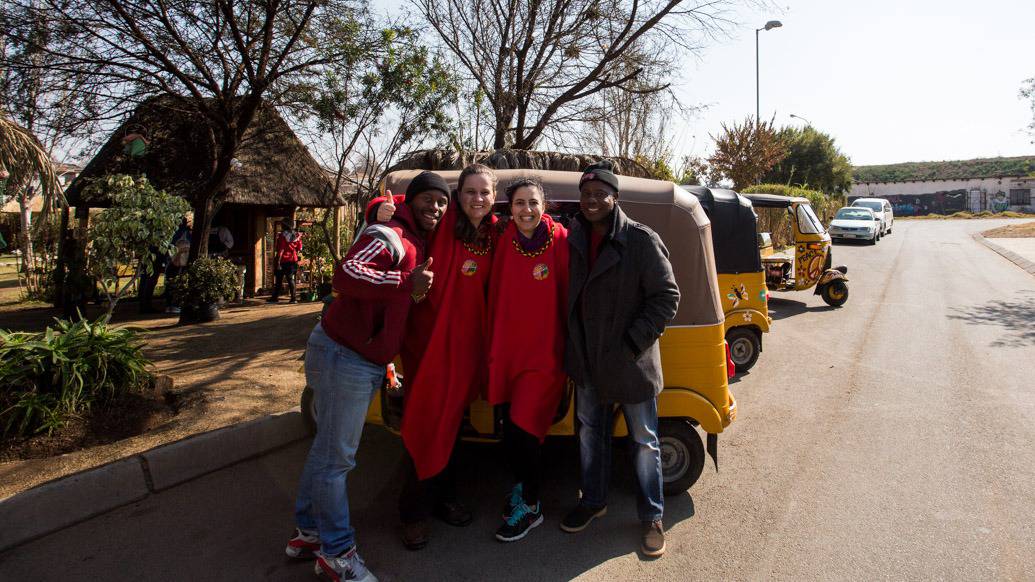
653,544
454,513
415,535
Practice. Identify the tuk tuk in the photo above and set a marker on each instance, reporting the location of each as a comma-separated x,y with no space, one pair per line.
808,264
693,349
742,284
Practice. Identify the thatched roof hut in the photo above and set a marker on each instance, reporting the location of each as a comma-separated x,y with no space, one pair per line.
505,159
171,146
272,175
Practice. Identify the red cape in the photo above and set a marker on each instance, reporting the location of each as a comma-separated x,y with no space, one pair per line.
527,304
445,364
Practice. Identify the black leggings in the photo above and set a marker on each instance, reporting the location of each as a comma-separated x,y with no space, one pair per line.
419,496
524,452
286,271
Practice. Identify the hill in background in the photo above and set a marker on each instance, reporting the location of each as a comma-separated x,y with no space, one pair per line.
952,170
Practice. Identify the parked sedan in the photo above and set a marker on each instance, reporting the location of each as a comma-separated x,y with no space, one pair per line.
857,223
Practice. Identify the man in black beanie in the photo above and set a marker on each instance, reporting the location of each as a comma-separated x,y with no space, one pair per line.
615,319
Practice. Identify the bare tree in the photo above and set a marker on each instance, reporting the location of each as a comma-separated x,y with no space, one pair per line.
537,60
218,58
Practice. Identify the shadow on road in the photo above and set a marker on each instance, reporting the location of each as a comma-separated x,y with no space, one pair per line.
784,308
1016,317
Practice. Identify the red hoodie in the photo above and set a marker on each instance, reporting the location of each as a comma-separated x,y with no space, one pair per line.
373,287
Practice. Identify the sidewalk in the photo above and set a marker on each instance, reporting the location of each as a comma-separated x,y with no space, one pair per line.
1020,251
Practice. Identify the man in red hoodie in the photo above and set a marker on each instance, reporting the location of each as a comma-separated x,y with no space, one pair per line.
289,246
382,275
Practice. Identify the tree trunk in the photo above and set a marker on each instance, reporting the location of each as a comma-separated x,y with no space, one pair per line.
64,244
25,223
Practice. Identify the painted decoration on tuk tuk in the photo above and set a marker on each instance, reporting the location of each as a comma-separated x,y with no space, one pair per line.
810,267
737,294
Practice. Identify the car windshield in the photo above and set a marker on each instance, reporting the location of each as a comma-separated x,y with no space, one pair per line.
853,214
874,206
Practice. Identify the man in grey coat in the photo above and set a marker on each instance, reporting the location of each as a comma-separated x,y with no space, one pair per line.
622,293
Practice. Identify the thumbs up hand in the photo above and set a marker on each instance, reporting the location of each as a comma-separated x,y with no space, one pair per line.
386,210
422,279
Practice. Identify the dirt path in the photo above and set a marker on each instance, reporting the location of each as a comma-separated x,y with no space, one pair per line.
1026,230
238,368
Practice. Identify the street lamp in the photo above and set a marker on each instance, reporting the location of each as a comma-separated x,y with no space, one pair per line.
807,122
768,26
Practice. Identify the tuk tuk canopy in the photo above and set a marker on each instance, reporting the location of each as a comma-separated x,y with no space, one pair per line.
734,229
668,209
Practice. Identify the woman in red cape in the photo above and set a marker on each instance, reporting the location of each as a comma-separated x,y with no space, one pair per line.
444,355
527,302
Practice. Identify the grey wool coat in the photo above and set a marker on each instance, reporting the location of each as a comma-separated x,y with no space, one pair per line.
617,312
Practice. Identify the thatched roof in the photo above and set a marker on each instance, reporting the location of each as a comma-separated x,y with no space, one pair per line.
516,159
273,167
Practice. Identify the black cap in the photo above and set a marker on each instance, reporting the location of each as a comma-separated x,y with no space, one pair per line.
601,172
426,181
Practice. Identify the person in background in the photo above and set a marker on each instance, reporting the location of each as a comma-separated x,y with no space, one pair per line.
177,263
622,296
289,246
377,283
220,241
149,279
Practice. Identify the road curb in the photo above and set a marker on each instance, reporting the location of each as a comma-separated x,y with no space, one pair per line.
1009,255
58,504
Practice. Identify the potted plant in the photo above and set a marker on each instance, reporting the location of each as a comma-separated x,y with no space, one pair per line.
200,289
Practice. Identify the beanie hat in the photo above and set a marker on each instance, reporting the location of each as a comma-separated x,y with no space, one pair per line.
426,181
602,172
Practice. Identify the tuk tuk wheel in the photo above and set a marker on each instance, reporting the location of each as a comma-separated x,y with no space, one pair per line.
682,455
835,293
308,406
744,348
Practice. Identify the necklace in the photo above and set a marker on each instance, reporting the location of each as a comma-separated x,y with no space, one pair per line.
537,252
479,250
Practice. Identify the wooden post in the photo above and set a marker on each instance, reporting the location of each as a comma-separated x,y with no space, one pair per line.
336,230
256,278
63,248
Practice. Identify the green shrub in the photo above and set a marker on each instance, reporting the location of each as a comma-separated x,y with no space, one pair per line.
775,220
50,376
207,281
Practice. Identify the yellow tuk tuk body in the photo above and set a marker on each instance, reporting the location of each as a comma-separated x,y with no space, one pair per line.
741,278
693,348
808,263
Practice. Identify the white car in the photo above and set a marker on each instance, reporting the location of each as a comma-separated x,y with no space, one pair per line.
856,223
882,208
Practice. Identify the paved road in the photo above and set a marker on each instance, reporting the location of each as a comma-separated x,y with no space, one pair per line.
891,438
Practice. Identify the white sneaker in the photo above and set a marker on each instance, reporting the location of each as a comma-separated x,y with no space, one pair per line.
347,567
303,545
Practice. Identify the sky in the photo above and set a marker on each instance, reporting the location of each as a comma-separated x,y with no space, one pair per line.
891,81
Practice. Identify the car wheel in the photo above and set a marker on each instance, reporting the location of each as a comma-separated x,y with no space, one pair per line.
876,237
835,293
744,348
308,406
682,455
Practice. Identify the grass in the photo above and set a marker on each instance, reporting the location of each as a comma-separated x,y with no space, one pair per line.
1023,230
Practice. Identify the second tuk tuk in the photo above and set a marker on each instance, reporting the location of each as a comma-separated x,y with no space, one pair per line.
693,351
742,284
808,263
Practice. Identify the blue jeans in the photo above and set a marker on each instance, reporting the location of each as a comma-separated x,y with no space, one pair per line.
343,384
595,435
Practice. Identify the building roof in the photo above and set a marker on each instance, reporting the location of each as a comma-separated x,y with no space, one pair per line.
507,159
273,167
951,170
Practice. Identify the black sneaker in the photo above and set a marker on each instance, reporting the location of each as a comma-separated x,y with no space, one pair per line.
520,522
653,543
578,518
